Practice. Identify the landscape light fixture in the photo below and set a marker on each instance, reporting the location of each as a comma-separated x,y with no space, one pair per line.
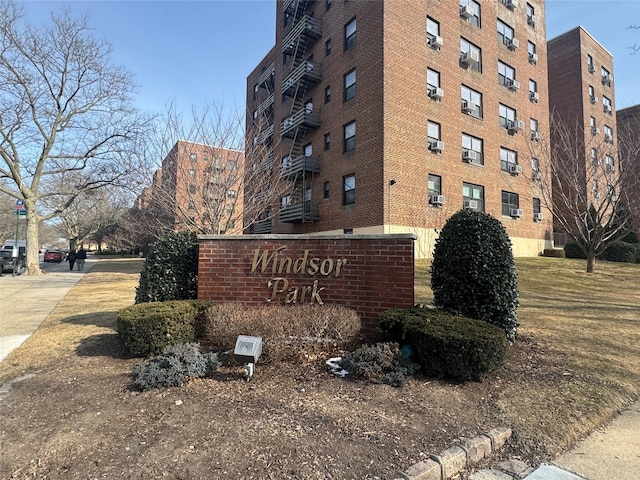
247,351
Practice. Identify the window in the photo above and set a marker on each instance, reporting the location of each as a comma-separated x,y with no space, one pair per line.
350,34
285,201
608,134
590,64
433,131
507,116
433,29
326,189
349,189
608,163
192,189
536,207
350,85
350,136
531,15
473,197
535,169
510,201
347,231
507,159
505,33
472,149
231,193
255,116
531,49
433,79
471,101
506,74
596,192
192,205
308,150
232,164
327,141
434,184
328,4
192,173
217,162
611,192
286,56
593,125
594,157
327,95
470,11
229,209
470,55
533,91
606,104
606,76
287,19
193,157
533,125
327,47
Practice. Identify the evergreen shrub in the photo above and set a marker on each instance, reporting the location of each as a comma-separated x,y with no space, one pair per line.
473,272
170,270
445,344
147,328
287,332
553,252
573,250
379,363
621,252
174,367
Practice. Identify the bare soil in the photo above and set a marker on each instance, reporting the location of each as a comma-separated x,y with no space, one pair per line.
71,412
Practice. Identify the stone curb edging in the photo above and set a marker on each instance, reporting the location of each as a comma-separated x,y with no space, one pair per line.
454,459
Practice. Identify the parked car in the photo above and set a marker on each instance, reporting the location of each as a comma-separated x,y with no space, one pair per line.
53,256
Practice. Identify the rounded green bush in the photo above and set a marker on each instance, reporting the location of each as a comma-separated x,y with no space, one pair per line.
621,252
473,272
170,270
573,250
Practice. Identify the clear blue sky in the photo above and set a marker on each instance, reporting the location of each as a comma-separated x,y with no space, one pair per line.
198,51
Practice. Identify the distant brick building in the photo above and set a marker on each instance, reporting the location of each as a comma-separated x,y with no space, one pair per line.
389,116
628,120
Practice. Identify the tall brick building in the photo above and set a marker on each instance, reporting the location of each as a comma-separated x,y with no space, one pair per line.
389,116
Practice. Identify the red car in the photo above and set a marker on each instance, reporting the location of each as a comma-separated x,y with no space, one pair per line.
53,256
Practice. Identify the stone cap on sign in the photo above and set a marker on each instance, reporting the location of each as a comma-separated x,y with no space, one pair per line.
341,236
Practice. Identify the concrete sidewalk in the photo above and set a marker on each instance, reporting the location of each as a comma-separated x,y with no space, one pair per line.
25,301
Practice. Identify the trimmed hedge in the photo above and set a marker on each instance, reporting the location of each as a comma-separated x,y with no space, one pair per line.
622,252
553,252
147,328
572,250
446,345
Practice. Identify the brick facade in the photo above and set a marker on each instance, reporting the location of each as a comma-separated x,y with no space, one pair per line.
391,107
369,273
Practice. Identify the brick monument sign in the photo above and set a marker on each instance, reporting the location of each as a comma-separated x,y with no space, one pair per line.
368,273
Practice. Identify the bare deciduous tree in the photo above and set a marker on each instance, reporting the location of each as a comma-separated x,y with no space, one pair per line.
64,108
591,189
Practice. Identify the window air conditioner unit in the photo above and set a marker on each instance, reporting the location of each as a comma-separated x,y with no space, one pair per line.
469,156
471,204
534,96
531,20
516,212
595,130
436,93
592,68
437,146
466,12
608,138
515,169
606,79
537,176
535,136
437,199
537,217
470,58
516,126
436,42
607,109
593,99
512,43
468,107
513,84
511,4
533,58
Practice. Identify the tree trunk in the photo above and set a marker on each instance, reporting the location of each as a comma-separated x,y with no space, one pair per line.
33,244
591,261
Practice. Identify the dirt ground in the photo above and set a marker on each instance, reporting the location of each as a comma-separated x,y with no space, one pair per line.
75,415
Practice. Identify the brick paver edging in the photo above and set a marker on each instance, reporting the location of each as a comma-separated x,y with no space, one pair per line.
456,458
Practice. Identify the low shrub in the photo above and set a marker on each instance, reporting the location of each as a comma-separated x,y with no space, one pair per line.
147,328
573,250
553,252
379,363
621,252
286,331
177,365
444,344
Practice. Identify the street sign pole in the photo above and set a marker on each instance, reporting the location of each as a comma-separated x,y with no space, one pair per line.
16,247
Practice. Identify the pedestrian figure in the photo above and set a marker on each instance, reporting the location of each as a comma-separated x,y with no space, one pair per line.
71,258
81,256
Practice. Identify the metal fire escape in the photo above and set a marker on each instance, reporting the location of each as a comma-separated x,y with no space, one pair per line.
297,167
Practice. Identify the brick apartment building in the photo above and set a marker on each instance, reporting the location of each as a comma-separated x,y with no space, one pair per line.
199,187
388,116
628,122
581,96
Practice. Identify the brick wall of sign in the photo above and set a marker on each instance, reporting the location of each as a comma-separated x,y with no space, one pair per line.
369,273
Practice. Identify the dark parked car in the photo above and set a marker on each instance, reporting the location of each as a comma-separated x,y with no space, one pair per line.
53,256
